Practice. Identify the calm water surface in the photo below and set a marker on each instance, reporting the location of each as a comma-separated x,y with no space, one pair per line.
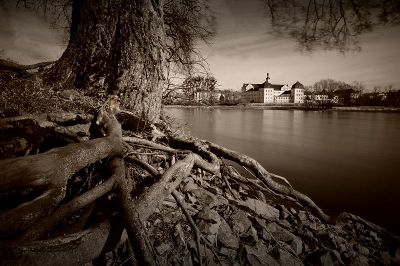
346,161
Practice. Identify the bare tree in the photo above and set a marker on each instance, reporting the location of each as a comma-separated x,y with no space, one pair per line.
330,24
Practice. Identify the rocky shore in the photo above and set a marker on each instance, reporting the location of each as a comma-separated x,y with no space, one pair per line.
239,226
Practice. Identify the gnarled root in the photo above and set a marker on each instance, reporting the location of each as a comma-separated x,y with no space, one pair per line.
49,173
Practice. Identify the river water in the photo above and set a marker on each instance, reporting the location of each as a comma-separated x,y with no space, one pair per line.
345,161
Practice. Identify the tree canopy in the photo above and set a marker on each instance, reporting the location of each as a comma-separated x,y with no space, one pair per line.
330,24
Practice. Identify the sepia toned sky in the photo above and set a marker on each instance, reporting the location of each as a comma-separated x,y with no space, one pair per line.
242,52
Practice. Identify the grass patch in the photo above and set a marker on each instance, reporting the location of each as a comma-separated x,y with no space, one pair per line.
21,96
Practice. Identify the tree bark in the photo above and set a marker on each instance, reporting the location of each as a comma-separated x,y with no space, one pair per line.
115,47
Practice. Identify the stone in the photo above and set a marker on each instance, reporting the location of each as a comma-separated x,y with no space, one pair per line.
228,252
374,236
209,221
190,186
260,208
292,210
250,236
286,258
359,260
325,259
302,216
226,237
258,255
284,212
285,224
340,243
336,254
240,222
208,199
259,222
386,258
361,249
163,248
281,234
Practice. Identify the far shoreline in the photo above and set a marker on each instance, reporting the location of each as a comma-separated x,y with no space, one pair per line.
380,109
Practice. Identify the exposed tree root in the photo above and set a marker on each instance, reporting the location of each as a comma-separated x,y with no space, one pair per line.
73,249
265,176
50,174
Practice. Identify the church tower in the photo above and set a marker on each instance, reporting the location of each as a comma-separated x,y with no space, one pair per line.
267,80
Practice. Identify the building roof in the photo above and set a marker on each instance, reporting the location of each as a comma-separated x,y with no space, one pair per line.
297,85
285,94
274,86
257,87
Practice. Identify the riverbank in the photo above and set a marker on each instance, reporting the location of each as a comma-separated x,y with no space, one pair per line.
293,107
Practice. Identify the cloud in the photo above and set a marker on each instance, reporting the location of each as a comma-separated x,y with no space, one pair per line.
244,51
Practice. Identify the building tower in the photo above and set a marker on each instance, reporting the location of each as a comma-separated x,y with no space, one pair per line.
267,79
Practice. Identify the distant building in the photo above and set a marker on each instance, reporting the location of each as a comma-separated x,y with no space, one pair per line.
283,98
297,93
272,93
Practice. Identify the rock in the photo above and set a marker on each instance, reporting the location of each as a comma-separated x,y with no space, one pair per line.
209,221
228,252
340,243
397,257
250,236
260,208
285,224
385,256
258,255
336,255
259,223
292,210
284,215
163,248
208,199
284,212
361,249
302,216
374,236
211,238
240,222
286,258
325,260
297,245
190,186
359,260
281,234
226,237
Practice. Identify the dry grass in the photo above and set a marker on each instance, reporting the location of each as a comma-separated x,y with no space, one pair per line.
19,96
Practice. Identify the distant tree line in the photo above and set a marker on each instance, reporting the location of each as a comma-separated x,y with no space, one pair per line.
355,94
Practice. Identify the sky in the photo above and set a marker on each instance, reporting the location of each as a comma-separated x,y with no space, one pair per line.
243,51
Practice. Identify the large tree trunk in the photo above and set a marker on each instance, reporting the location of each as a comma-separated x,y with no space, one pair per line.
115,47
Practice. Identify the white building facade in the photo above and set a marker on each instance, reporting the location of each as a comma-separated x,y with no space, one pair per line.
273,93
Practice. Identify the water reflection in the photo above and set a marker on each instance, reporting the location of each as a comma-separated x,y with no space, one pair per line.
346,161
